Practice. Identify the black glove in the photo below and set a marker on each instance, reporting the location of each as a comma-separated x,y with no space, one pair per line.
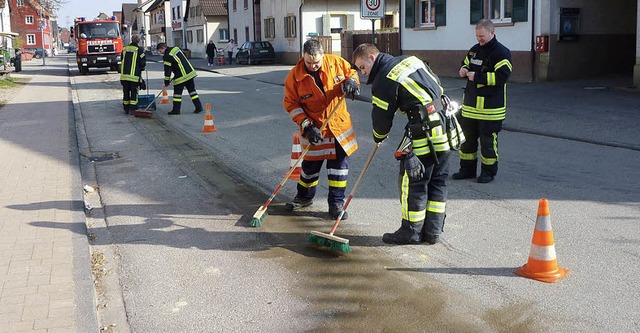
350,88
313,134
413,167
166,83
143,85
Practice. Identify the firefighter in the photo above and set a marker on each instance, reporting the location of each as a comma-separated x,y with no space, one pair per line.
183,76
406,84
487,68
312,89
133,63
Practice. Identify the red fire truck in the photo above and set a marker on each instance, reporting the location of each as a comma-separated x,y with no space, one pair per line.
98,43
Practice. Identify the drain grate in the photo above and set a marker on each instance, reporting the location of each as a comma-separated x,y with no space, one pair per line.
105,156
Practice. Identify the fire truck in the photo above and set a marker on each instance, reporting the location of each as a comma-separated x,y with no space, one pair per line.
98,43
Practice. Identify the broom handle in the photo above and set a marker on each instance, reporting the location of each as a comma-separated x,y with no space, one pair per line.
355,188
304,152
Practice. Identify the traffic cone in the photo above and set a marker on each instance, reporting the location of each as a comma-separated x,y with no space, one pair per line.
208,120
542,264
165,97
296,150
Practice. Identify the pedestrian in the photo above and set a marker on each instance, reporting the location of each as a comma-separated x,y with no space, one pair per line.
183,76
133,63
487,68
230,48
211,52
17,63
406,84
312,89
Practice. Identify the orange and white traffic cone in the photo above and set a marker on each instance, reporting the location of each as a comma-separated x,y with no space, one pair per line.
542,264
296,150
165,97
208,120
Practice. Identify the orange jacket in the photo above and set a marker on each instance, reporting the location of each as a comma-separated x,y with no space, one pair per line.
303,99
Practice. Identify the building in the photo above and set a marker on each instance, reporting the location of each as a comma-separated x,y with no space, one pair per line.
159,24
207,21
31,21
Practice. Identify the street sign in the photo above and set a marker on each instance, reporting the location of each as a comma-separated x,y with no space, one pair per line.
372,9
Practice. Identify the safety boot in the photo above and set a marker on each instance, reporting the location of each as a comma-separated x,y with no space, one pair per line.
334,212
409,233
484,178
298,203
463,175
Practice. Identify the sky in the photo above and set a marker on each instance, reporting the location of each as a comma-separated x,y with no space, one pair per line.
87,8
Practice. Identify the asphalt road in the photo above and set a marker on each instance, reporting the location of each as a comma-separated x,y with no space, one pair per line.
176,204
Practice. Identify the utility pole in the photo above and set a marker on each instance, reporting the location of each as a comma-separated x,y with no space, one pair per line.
42,25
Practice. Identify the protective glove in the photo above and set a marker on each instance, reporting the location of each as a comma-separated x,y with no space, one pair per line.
143,84
313,134
413,167
166,83
350,88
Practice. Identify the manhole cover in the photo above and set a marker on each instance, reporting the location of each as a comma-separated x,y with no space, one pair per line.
101,157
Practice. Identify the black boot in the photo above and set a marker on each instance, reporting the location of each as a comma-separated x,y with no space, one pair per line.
298,203
409,233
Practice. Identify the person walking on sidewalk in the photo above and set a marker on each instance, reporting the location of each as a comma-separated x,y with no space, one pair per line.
406,84
133,63
183,76
230,48
312,89
211,52
17,62
487,68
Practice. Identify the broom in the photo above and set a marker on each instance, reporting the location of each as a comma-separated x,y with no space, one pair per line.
261,213
335,242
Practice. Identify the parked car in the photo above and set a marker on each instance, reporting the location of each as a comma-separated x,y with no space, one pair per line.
255,52
37,52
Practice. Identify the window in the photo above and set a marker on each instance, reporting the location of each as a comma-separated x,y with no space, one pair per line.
425,13
189,36
270,28
235,7
200,35
179,12
223,35
290,26
31,39
20,3
246,4
336,23
499,11
28,19
173,14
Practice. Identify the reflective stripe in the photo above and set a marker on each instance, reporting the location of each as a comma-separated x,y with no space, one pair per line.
417,216
484,114
415,90
543,223
307,185
436,206
379,136
194,97
405,68
480,102
166,63
468,157
404,194
489,161
503,62
295,112
304,175
379,103
338,172
542,252
337,183
491,78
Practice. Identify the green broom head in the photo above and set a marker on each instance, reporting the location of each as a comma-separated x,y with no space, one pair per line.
334,245
257,221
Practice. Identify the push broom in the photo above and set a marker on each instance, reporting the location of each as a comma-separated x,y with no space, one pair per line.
330,240
261,213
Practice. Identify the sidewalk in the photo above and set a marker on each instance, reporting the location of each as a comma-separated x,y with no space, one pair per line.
45,275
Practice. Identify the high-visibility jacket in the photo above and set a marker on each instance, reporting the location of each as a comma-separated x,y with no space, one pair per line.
175,61
133,63
305,100
485,98
406,84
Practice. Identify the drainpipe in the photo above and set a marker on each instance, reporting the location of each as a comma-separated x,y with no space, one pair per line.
533,40
300,29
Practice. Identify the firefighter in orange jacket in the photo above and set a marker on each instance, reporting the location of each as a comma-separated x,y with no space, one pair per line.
312,89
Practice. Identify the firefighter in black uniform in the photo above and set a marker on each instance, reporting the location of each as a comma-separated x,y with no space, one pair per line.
408,85
487,67
183,76
133,63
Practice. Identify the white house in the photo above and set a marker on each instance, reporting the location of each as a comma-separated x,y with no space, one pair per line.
207,21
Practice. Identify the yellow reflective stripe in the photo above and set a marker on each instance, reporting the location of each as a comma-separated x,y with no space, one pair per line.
468,157
417,216
407,66
307,185
503,62
166,63
167,78
436,206
416,91
379,103
479,102
379,136
489,161
491,79
466,62
194,97
404,195
127,77
337,183
484,114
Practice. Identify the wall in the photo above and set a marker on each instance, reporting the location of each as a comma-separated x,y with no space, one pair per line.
636,68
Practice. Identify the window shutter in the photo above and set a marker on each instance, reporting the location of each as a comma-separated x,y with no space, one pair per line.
410,13
441,13
326,25
477,10
520,10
